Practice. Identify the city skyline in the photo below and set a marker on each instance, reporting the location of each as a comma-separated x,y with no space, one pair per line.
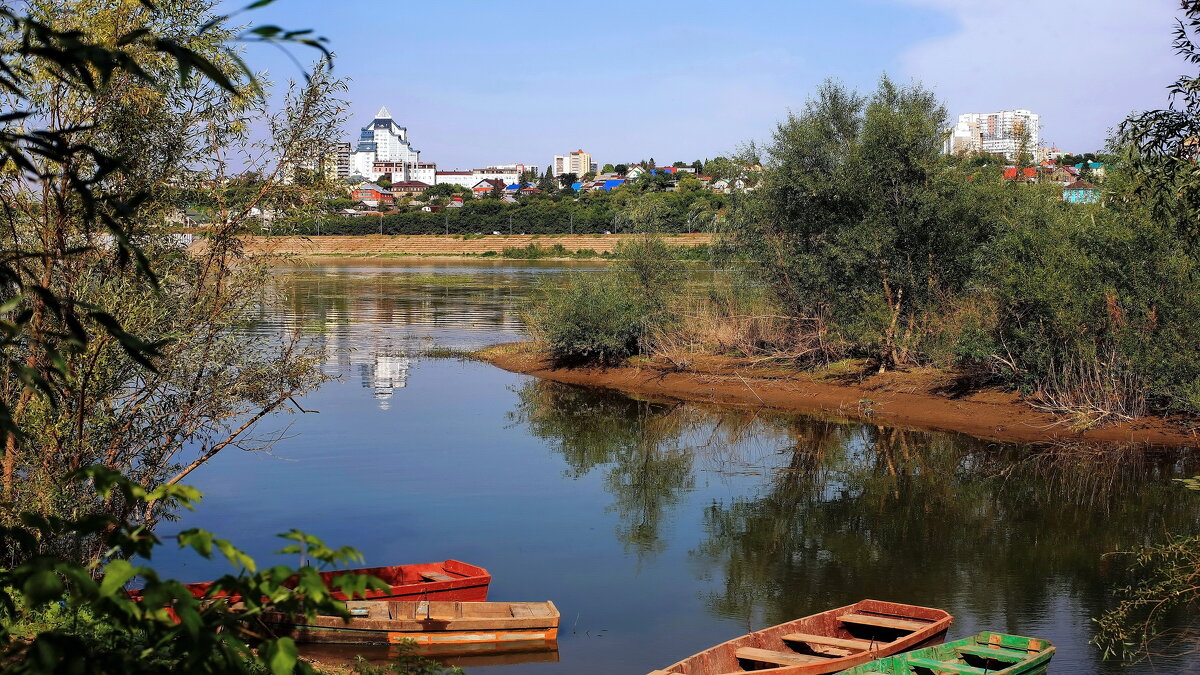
651,82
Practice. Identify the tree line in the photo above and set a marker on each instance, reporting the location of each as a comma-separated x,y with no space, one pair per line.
632,209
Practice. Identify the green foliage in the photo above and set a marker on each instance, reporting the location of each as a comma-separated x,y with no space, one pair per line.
1162,579
78,618
535,251
589,319
135,370
859,225
605,317
403,659
621,210
73,168
1096,302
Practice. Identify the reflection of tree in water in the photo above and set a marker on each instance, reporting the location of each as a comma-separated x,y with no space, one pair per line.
934,519
641,444
847,511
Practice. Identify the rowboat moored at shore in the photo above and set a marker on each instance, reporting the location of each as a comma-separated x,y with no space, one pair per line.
986,653
430,624
446,580
828,642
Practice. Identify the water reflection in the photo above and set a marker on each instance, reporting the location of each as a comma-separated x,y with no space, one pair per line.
666,526
1009,537
375,316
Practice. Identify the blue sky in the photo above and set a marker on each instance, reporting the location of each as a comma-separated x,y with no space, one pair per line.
481,83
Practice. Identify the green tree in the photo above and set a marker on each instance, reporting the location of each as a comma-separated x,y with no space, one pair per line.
721,168
567,179
608,168
125,111
847,226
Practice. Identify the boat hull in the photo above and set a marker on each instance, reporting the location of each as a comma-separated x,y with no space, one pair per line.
435,626
446,580
828,642
990,652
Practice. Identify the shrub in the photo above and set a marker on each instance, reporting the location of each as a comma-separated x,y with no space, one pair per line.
592,318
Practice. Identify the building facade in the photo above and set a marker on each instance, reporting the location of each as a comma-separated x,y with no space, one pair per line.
465,179
336,162
1007,132
577,162
384,141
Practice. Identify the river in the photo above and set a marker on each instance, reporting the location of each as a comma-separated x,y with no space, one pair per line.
659,528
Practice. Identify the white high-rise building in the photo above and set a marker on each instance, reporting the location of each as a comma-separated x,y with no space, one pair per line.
1006,132
577,162
385,142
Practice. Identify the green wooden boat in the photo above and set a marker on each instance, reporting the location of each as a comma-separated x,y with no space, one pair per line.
987,653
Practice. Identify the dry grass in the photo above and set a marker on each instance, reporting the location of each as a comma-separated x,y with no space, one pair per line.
1085,394
736,318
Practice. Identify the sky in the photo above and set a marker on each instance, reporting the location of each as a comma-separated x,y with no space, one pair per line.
479,83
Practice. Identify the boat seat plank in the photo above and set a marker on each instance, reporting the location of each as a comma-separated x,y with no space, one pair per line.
521,611
992,653
943,667
844,643
778,658
436,576
882,621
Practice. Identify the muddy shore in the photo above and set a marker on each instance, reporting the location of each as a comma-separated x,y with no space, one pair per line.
919,398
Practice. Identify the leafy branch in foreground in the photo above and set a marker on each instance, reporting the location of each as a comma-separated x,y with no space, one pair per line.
168,630
101,364
1167,580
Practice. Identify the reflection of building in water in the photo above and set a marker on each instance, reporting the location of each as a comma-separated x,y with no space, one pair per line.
390,373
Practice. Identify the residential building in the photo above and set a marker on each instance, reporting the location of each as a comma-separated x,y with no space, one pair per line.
336,162
486,187
1007,132
1091,168
509,173
1057,173
372,194
409,188
1028,174
577,162
465,179
384,141
1081,192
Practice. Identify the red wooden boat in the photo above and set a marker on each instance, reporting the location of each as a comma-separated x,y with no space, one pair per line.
828,642
446,580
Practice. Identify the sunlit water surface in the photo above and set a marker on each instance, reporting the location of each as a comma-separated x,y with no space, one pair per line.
658,528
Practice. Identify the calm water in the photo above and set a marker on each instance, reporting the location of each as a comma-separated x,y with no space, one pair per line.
660,528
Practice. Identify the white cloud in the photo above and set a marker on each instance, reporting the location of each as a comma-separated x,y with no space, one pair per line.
1083,65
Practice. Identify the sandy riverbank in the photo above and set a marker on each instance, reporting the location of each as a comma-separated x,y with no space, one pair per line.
374,245
920,398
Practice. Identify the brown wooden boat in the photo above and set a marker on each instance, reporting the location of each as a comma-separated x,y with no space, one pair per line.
822,643
445,580
431,624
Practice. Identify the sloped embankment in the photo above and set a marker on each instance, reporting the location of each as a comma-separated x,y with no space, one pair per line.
921,398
